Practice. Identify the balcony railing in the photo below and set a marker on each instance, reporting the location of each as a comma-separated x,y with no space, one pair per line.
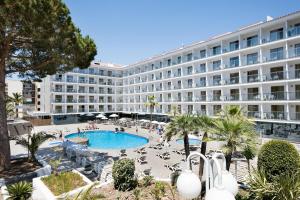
254,114
278,115
295,31
275,96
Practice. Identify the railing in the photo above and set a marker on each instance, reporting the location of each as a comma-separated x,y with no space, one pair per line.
254,114
71,101
58,90
58,111
275,96
201,98
275,115
295,31
251,97
295,116
216,98
233,80
70,111
71,90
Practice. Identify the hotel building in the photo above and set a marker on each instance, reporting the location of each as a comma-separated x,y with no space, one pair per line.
256,67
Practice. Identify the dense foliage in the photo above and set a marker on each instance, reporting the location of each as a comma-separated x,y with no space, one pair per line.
123,175
37,38
277,158
20,191
281,187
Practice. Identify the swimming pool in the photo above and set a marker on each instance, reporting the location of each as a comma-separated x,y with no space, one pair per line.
111,140
191,141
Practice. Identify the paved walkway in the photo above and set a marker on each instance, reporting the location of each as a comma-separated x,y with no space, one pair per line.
154,162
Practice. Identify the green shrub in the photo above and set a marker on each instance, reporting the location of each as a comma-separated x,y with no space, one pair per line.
147,181
123,175
20,191
278,157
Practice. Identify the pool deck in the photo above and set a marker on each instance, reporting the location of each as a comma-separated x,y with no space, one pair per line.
154,162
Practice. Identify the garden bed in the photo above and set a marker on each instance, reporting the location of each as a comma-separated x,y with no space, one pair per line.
63,182
155,190
19,167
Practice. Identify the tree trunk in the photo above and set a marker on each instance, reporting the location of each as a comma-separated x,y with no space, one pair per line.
4,141
203,152
248,163
228,160
17,112
186,146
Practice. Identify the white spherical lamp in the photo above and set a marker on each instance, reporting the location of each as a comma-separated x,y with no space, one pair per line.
229,183
219,194
188,185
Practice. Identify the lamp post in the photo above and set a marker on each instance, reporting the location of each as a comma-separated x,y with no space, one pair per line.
189,184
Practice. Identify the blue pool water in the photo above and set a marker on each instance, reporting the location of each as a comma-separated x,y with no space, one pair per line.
191,141
111,140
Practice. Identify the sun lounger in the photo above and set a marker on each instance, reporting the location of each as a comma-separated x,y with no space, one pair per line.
174,167
164,156
141,151
123,152
142,160
147,172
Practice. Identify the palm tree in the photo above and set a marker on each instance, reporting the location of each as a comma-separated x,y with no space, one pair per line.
205,124
182,125
33,142
151,104
10,109
249,153
235,129
174,111
17,99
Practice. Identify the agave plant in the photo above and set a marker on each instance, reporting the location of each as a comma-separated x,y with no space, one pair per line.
19,191
283,187
33,142
87,194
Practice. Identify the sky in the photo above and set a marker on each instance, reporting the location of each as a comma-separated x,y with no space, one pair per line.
126,31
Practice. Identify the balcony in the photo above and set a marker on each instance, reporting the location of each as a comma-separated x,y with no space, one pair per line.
70,110
216,82
295,31
58,111
71,101
274,96
254,114
92,110
81,110
232,80
295,52
71,90
216,98
81,91
58,101
82,81
188,99
71,81
201,98
201,84
234,97
81,101
58,90
295,116
294,95
251,97
277,115
58,79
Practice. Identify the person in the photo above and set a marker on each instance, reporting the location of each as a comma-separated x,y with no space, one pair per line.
136,129
60,135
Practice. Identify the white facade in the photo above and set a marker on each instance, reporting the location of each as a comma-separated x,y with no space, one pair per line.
96,89
256,67
13,86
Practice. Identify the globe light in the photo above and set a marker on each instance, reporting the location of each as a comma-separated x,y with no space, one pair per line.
229,183
188,185
219,194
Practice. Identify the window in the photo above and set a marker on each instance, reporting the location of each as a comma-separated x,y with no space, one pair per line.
169,62
189,56
179,72
276,54
203,67
252,58
216,50
179,59
190,83
234,62
276,34
297,50
234,45
189,70
252,41
217,65
202,53
217,80
203,81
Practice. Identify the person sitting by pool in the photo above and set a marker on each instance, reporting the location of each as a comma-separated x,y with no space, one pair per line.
116,130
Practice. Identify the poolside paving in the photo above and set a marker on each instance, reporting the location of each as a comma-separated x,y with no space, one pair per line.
156,164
